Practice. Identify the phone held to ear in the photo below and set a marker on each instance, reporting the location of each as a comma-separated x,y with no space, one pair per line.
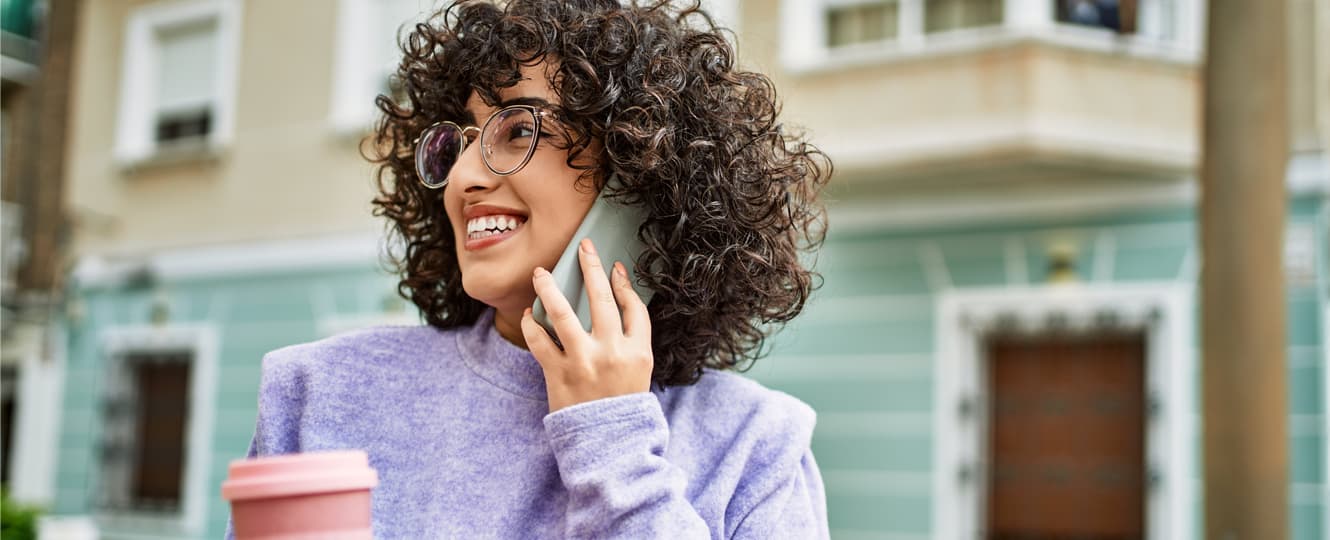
612,228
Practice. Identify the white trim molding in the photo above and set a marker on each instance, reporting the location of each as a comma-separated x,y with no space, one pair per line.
201,341
1309,173
40,352
964,317
1175,37
337,324
135,142
285,255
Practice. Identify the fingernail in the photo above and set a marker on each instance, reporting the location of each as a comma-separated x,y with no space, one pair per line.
619,269
587,247
539,272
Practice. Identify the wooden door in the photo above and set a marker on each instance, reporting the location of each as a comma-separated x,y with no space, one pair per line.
1067,438
163,407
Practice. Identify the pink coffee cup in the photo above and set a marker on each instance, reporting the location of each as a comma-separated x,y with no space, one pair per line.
302,496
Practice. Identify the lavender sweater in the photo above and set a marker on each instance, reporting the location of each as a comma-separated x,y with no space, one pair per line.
457,424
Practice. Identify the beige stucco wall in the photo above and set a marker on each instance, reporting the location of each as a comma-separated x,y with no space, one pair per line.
289,174
1027,94
286,174
1309,74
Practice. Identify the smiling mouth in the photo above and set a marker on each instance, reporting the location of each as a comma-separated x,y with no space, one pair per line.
492,227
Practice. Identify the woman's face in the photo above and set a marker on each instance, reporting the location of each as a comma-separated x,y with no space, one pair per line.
543,198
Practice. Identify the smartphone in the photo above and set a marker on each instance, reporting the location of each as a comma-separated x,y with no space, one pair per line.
612,227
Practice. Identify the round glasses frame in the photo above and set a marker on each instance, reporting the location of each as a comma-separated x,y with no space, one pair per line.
422,155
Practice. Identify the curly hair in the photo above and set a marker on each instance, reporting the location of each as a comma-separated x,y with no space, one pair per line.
730,194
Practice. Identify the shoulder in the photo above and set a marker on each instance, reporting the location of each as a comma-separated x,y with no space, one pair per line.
726,403
356,349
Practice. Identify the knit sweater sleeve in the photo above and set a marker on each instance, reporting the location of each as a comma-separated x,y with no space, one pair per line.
610,454
281,402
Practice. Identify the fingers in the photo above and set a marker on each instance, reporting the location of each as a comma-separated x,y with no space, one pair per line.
636,320
604,312
537,340
561,315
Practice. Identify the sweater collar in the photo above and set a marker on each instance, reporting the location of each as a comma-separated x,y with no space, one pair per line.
499,362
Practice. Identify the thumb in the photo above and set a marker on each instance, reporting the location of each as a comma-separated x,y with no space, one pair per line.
538,341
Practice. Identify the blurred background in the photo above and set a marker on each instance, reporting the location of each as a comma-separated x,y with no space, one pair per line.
1012,276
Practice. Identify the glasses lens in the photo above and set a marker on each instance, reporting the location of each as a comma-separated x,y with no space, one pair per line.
436,152
509,139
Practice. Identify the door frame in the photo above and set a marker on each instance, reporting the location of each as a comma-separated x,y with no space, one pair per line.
964,318
201,341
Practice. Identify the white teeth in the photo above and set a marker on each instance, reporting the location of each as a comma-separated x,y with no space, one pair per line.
490,225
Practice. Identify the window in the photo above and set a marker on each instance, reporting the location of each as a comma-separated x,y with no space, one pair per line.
186,81
1115,15
178,82
850,22
819,35
862,23
157,402
143,444
944,15
368,55
1157,20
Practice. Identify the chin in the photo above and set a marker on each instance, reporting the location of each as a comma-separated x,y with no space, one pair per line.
500,296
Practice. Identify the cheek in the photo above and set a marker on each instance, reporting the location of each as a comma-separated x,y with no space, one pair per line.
558,214
451,207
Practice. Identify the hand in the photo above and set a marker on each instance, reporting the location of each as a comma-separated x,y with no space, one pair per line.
614,359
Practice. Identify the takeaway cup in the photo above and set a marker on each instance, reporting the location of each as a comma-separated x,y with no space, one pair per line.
323,495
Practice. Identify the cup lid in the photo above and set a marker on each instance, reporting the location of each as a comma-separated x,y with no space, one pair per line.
299,474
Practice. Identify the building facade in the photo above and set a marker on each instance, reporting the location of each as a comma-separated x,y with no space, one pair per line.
35,59
1012,252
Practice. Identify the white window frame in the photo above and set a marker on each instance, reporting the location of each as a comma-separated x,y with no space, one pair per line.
355,69
355,77
964,317
200,341
135,140
804,48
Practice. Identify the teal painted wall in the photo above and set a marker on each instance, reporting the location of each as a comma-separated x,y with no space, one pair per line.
861,355
253,314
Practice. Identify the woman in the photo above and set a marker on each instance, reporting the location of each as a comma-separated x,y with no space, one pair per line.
510,121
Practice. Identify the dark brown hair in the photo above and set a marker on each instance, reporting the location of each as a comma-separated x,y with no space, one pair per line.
730,194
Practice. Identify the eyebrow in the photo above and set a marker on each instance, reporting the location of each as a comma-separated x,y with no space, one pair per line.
470,117
524,100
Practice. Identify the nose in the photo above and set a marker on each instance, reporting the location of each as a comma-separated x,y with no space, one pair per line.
469,173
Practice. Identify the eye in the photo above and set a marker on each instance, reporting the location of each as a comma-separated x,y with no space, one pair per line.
520,131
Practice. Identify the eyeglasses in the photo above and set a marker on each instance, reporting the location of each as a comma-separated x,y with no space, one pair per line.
507,143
